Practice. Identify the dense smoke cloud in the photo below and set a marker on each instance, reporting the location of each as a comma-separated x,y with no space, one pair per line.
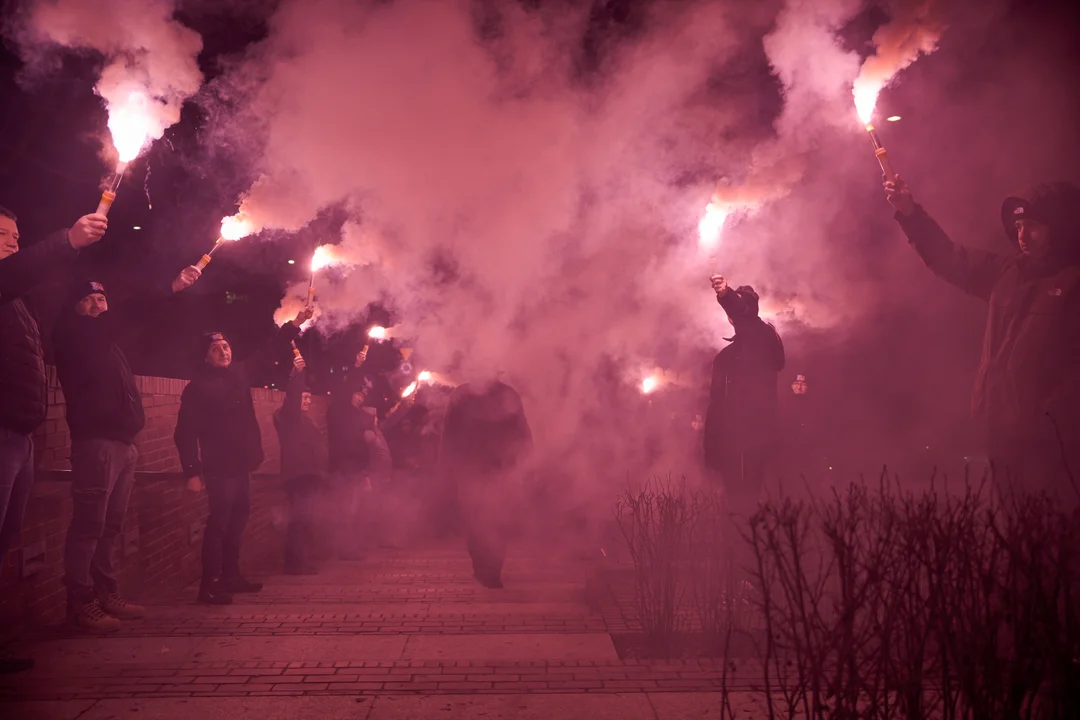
523,215
150,58
522,220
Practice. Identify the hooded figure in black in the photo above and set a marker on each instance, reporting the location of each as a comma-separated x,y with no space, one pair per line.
104,415
303,458
741,422
350,424
218,438
485,441
1027,386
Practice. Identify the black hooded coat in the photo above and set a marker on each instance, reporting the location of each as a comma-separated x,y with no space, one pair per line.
743,400
1030,364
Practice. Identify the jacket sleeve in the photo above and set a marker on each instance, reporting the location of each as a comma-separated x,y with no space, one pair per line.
19,273
971,270
186,435
294,399
733,304
285,334
1063,403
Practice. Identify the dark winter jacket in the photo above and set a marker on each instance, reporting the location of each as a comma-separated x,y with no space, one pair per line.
1031,348
743,399
485,430
100,393
217,433
303,447
347,427
23,382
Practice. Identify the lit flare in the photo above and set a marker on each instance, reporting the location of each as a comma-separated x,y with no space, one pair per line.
233,228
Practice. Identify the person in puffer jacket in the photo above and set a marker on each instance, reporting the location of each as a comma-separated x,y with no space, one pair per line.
1027,386
23,383
219,442
104,416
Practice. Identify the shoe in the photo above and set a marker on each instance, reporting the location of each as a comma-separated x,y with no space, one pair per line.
118,607
489,581
301,569
90,616
10,666
239,584
213,593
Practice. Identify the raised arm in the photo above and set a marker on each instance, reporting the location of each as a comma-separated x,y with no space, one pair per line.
971,270
21,271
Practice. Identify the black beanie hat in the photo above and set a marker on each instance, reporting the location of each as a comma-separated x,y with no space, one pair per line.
210,338
81,289
1056,205
749,297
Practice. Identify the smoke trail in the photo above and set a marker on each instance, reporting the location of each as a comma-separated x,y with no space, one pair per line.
150,57
913,30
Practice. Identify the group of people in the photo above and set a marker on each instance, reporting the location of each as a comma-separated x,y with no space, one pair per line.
1027,389
1027,385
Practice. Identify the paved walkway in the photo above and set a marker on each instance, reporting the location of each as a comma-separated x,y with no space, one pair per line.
405,634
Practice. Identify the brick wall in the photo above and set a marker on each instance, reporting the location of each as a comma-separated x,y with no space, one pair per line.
161,401
163,528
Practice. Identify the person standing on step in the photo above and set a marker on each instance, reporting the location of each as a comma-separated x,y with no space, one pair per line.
303,451
219,442
104,415
23,382
486,439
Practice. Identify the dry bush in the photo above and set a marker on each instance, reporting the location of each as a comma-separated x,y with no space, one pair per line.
873,602
655,524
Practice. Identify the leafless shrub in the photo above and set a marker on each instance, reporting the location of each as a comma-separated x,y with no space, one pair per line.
655,524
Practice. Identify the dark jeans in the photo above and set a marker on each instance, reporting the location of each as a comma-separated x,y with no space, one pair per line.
743,476
486,543
16,480
299,537
102,476
230,506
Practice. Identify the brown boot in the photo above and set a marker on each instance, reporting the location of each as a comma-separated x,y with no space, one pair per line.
91,617
118,607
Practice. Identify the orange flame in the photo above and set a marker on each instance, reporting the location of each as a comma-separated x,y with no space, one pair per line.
711,226
236,227
324,256
378,333
130,125
650,384
409,390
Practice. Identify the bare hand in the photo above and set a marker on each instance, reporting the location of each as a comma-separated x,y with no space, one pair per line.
719,284
87,230
298,363
361,357
899,195
304,315
195,484
186,278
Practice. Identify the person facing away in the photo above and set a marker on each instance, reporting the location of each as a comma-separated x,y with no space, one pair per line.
486,439
1027,386
104,415
303,451
742,417
218,439
351,428
23,382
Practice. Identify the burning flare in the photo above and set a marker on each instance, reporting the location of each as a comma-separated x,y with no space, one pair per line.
711,226
233,228
378,332
914,30
130,124
650,384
